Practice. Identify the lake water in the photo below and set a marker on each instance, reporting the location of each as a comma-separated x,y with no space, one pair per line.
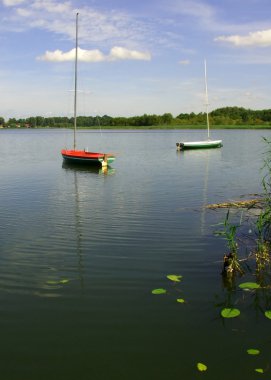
82,250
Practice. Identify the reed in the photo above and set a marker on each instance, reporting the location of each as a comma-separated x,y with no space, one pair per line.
231,263
262,228
263,222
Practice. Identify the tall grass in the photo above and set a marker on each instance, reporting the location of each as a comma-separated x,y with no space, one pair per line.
262,228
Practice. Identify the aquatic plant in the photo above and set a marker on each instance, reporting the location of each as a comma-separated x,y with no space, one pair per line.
266,183
180,300
249,285
262,253
253,351
230,261
202,367
230,312
159,291
174,277
62,281
263,222
268,314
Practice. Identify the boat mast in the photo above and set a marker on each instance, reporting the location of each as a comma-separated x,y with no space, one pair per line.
75,83
206,99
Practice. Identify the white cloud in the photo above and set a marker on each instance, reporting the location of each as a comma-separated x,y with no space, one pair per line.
23,12
208,16
260,38
11,3
204,14
116,53
52,6
107,27
83,55
184,62
196,9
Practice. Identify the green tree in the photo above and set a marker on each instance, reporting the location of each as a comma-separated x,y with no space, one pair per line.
167,118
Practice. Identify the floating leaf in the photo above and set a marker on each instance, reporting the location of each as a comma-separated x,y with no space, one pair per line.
253,351
230,313
249,285
180,300
64,281
57,282
159,291
268,314
174,277
260,370
201,367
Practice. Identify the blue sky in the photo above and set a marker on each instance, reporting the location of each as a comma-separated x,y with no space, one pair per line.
135,57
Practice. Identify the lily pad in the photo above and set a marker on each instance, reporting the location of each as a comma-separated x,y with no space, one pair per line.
159,291
253,351
259,370
201,367
249,285
174,277
180,300
230,313
268,314
64,281
57,282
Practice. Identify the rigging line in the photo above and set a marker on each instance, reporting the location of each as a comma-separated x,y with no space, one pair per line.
206,98
75,82
99,124
100,128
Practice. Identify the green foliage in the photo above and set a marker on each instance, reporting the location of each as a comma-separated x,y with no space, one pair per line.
263,223
249,285
202,367
230,312
229,232
159,291
253,351
226,116
180,300
174,277
62,281
268,314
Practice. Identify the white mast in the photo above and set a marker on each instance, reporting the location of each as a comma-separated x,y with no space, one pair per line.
75,83
206,99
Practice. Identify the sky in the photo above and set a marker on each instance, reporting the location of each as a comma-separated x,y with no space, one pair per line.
135,56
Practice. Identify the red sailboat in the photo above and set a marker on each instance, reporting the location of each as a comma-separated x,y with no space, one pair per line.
83,156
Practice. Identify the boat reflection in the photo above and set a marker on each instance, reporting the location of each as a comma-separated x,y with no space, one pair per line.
107,170
202,160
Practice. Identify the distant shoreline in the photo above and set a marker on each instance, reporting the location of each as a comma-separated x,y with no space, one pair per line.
148,127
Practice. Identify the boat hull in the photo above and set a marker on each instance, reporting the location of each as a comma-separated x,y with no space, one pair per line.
87,158
208,144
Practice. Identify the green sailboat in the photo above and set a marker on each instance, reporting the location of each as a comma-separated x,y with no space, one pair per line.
204,144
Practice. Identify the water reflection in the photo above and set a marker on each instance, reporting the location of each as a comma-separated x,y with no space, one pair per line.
199,162
78,232
115,239
88,169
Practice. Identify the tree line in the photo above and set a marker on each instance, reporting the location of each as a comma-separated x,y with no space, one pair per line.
226,116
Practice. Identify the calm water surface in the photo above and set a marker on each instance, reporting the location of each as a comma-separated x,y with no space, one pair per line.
81,251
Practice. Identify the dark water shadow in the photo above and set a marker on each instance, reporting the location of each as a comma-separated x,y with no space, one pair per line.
93,169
